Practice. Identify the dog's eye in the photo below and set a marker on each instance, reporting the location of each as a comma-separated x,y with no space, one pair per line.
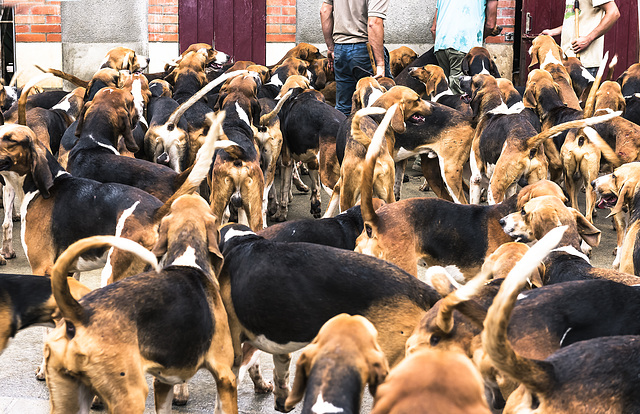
613,176
369,230
435,340
71,329
524,213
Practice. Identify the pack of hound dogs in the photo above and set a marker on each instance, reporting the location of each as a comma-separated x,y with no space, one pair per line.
167,182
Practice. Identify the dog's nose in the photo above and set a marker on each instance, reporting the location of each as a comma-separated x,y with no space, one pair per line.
593,183
502,222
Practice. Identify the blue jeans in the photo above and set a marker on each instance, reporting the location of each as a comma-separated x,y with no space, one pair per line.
347,57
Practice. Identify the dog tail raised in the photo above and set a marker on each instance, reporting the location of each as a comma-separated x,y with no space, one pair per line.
536,375
444,319
267,118
200,169
356,132
369,216
608,152
70,308
22,101
180,110
590,103
65,76
536,140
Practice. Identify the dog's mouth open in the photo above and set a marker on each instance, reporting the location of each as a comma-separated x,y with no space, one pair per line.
607,201
417,119
466,98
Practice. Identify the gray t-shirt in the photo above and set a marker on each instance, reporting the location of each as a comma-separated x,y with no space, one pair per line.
350,18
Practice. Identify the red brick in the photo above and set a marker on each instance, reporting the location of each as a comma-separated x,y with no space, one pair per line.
170,9
163,37
155,9
274,11
281,2
154,18
506,3
21,19
171,28
31,37
45,10
156,28
281,38
54,37
281,19
288,28
506,12
273,28
22,28
505,22
24,9
53,19
289,11
45,28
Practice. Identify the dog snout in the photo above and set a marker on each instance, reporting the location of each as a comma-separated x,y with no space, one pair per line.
502,221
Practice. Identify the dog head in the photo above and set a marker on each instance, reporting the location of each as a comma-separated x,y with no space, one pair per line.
539,189
540,87
504,258
581,79
347,340
478,61
214,60
262,71
289,67
368,90
609,97
427,379
123,58
192,63
510,94
433,78
545,50
160,87
302,51
294,81
619,188
190,214
411,107
320,73
104,78
484,92
118,106
241,90
630,80
22,153
138,85
541,214
400,58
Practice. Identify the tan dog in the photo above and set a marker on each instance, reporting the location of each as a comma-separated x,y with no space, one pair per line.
123,58
302,51
261,70
544,50
617,191
294,81
83,358
400,58
429,381
368,90
409,105
334,368
213,62
500,262
539,189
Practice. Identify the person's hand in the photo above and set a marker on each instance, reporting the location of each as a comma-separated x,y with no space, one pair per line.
580,44
379,71
547,32
433,32
330,57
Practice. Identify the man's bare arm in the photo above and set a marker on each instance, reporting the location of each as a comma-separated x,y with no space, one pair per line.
376,40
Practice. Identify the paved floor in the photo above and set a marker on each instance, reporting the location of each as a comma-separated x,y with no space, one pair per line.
20,393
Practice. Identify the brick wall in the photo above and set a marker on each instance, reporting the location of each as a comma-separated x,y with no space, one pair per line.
281,20
506,19
38,21
163,20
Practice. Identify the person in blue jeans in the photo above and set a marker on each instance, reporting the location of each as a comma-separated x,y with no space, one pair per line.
347,26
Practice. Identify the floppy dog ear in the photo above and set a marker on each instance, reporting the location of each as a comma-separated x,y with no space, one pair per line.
83,112
160,248
303,367
586,230
378,370
533,52
40,167
255,112
397,121
493,69
213,240
1,119
529,98
465,64
622,78
356,102
221,97
129,140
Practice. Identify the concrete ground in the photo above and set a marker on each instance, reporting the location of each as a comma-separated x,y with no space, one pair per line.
21,393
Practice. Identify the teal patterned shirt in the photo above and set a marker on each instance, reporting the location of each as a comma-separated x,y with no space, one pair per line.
460,24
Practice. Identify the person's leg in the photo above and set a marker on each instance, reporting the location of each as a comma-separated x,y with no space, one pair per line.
345,81
443,61
455,69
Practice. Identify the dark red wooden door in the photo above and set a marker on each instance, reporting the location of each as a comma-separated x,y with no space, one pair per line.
236,27
622,39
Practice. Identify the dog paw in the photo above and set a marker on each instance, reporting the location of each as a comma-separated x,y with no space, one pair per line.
263,387
280,216
40,374
180,394
280,406
424,186
97,404
302,187
2,261
11,254
316,211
